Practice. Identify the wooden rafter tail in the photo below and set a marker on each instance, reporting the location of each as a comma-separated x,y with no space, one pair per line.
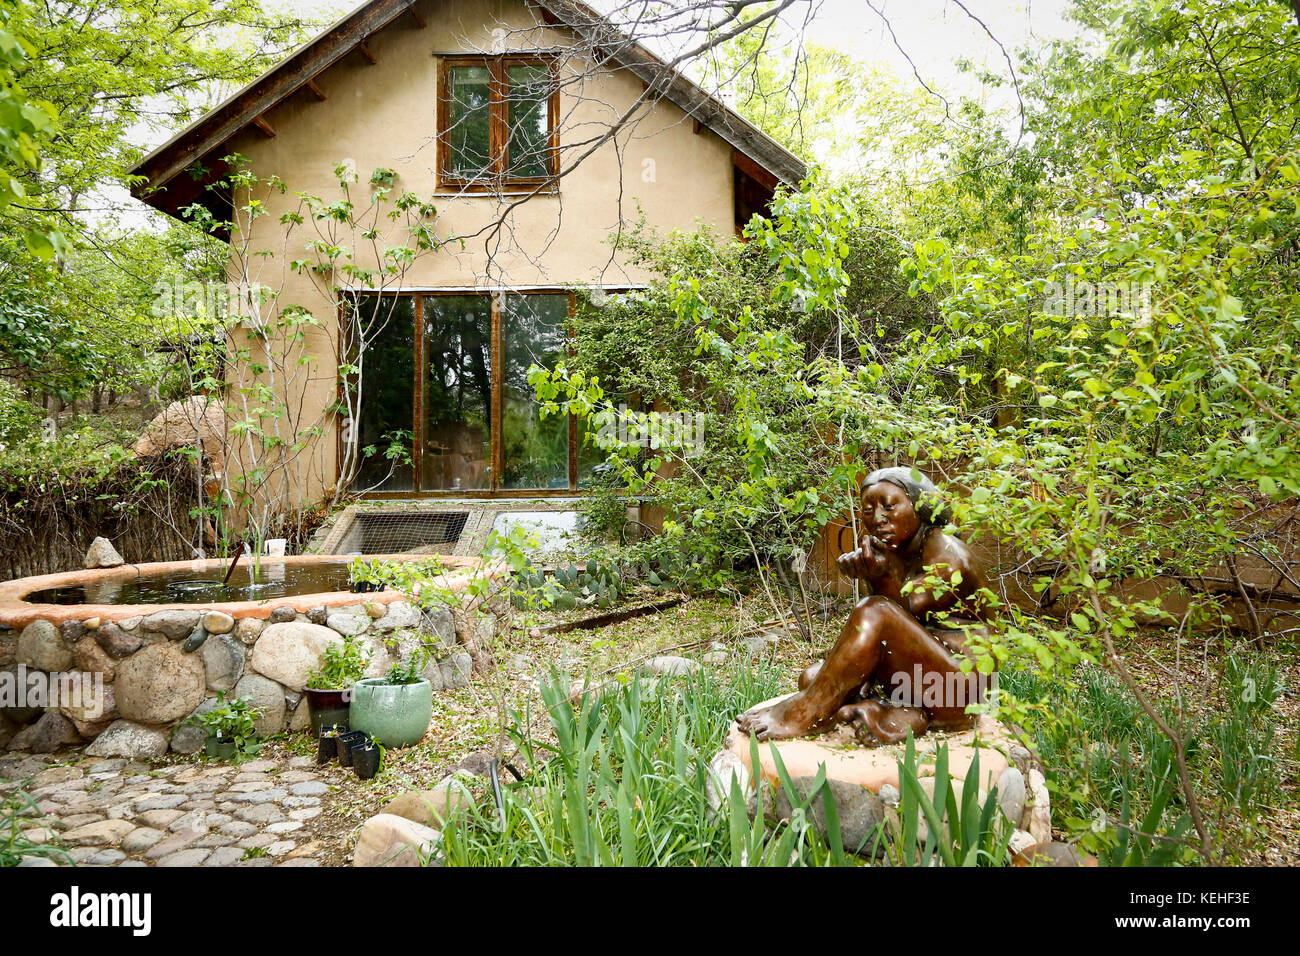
365,51
316,90
214,128
417,16
753,170
261,123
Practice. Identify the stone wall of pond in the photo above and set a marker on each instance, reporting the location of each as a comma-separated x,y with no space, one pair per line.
155,673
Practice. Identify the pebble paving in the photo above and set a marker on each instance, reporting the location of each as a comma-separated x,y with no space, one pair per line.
118,812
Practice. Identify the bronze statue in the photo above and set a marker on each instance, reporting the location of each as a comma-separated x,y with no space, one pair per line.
905,639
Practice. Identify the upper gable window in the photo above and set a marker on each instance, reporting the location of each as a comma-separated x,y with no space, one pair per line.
497,121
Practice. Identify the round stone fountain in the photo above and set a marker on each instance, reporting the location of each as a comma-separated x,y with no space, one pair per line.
148,645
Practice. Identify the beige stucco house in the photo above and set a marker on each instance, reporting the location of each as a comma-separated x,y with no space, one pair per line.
538,131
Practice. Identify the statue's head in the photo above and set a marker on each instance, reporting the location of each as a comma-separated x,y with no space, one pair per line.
896,506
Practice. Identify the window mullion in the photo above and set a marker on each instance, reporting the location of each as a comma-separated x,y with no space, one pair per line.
498,363
417,432
497,119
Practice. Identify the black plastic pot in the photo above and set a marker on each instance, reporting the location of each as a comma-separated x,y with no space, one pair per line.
366,587
365,760
327,747
328,707
345,742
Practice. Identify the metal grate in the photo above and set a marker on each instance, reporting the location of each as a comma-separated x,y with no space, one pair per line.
403,533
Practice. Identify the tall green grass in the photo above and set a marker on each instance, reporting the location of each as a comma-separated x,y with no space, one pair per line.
1244,736
1113,774
960,831
624,784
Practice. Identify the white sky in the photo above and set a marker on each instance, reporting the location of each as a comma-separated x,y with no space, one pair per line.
935,33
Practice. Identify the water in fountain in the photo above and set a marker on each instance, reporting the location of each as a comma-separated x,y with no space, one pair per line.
199,587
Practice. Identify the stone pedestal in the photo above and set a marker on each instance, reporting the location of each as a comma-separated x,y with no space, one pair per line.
865,782
849,761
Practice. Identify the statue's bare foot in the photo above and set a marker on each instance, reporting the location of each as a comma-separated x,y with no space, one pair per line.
779,721
875,723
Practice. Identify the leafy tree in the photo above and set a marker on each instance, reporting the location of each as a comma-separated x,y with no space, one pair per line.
1139,332
1108,369
83,324
26,126
114,70
38,347
796,93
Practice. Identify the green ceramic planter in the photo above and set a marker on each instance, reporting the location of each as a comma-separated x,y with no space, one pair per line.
395,714
221,748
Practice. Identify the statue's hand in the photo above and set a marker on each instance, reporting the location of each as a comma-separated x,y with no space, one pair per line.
864,564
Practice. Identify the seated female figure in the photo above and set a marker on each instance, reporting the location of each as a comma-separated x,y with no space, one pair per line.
907,638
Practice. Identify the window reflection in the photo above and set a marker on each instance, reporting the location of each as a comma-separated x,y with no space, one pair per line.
470,120
452,449
536,449
528,119
457,452
591,457
386,422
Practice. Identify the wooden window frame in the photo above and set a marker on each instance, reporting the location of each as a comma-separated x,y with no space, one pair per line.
497,453
498,125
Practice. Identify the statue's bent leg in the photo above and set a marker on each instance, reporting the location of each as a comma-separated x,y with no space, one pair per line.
853,660
917,670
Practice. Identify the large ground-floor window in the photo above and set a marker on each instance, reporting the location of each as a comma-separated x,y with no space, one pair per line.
445,377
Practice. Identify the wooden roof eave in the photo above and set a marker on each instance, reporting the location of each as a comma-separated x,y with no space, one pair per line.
247,106
244,107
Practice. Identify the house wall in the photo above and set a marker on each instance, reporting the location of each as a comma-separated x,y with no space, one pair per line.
384,115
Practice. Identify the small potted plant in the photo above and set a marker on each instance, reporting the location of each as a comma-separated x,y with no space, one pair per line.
347,743
368,758
231,728
394,709
329,686
366,576
326,745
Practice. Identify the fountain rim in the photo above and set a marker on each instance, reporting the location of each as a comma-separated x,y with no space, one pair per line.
16,612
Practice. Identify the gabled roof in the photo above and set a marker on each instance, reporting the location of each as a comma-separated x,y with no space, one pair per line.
757,153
